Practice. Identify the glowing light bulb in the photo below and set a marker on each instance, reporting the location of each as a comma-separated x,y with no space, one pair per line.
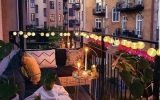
61,34
134,45
140,45
25,36
29,33
116,42
76,34
47,34
14,33
33,34
52,34
152,52
42,34
20,32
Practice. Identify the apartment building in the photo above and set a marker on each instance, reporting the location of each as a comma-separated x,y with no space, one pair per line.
45,13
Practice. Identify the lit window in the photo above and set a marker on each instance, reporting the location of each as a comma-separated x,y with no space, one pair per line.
115,15
71,1
59,18
51,4
33,17
52,18
139,25
124,23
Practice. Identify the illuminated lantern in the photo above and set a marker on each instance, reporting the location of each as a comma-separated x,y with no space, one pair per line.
69,34
42,34
33,33
47,34
14,33
20,32
116,42
106,39
87,36
124,42
152,52
76,34
61,34
92,36
128,44
65,34
100,38
25,36
134,45
158,52
111,40
52,34
81,34
140,45
29,33
96,37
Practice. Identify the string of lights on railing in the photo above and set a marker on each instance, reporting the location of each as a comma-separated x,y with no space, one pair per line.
107,39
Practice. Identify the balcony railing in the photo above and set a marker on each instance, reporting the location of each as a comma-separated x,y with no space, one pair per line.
76,6
77,22
130,7
99,12
96,29
65,10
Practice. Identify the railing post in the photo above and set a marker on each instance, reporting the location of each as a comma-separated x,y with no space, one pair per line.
156,78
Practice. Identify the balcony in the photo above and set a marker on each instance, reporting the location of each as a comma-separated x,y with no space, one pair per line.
99,12
65,10
96,29
76,6
129,7
77,22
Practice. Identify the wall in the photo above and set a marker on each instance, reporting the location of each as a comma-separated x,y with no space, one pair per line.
1,31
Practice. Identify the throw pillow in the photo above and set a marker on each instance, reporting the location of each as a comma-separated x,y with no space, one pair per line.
75,56
31,67
45,58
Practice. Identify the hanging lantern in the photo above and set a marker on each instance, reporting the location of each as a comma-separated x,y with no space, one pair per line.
158,52
152,52
128,44
76,34
14,33
42,34
68,34
52,34
106,39
124,42
47,34
111,40
140,45
61,34
65,34
29,33
134,45
33,33
25,36
20,32
116,42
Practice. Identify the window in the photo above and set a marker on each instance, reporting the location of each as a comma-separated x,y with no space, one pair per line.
44,1
45,25
52,18
98,23
106,11
139,25
124,23
33,17
115,15
36,8
71,12
59,18
51,4
71,23
59,5
45,12
37,22
71,1
32,3
98,7
139,2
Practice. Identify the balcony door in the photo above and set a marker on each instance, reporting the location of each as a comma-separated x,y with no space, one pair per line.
139,25
98,23
124,23
139,2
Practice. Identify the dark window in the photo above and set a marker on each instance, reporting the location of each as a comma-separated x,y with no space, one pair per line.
51,4
71,23
36,9
45,25
37,22
59,4
71,12
33,17
44,1
45,12
32,3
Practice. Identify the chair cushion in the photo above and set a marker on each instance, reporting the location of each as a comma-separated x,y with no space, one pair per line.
61,57
65,71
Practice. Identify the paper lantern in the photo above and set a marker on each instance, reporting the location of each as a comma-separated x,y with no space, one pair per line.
124,42
134,45
52,34
20,32
116,42
42,34
47,34
111,40
76,34
106,39
96,37
140,45
128,44
29,33
92,36
14,33
65,34
152,52
25,36
158,52
81,34
33,33
61,34
68,34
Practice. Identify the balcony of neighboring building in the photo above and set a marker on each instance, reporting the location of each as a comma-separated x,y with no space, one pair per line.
76,6
99,11
65,10
130,5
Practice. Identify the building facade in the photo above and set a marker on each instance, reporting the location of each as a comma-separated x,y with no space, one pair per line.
45,13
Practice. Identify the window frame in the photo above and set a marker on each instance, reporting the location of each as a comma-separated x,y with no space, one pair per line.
124,23
117,13
139,24
98,23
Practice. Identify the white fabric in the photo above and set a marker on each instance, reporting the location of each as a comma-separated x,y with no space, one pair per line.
57,93
5,61
45,58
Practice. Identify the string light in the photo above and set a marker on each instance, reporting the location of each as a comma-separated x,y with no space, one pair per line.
76,34
33,34
69,34
47,34
14,33
111,40
42,34
128,44
106,39
140,45
116,42
124,42
25,36
61,34
52,34
65,34
134,45
29,33
152,52
20,32
100,38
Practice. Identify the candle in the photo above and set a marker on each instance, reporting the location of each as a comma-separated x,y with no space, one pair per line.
79,65
86,50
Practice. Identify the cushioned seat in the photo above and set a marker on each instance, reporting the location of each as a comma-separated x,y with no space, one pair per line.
65,71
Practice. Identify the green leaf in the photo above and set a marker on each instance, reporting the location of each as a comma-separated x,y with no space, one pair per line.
137,88
148,75
5,50
2,43
126,77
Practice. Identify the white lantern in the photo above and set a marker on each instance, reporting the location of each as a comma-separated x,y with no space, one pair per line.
33,34
14,33
20,32
47,34
52,34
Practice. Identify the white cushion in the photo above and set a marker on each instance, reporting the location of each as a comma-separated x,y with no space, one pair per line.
5,61
45,58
